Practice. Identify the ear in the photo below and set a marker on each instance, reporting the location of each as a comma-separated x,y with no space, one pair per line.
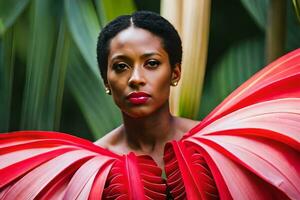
176,73
107,89
106,85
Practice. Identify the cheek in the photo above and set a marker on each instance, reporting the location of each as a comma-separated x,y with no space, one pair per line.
115,81
117,86
162,84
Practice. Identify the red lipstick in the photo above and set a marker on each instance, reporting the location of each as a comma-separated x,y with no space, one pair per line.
138,97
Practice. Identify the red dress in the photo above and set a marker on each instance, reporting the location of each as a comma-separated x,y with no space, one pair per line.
246,148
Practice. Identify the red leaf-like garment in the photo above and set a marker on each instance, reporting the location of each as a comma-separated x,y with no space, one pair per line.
247,148
250,143
49,165
130,175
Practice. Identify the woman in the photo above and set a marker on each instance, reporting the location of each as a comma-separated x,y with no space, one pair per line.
246,148
140,58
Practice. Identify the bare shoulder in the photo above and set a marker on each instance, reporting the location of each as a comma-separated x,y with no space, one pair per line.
110,139
186,124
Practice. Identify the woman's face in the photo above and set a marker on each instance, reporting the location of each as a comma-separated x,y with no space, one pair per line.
139,73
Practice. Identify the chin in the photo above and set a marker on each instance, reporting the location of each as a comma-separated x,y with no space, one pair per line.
138,112
145,110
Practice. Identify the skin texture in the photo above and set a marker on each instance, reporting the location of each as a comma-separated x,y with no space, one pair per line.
137,62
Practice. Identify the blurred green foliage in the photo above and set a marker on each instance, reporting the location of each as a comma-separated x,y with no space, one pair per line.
49,79
54,43
241,25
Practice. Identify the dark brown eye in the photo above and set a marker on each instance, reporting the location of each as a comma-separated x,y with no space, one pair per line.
119,67
152,63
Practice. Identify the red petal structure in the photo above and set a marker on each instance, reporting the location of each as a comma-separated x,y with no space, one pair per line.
135,177
246,148
187,172
250,142
49,165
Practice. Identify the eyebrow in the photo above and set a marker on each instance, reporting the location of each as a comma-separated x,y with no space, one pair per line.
119,56
150,54
146,55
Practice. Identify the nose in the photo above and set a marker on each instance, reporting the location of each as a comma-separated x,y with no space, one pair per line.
137,78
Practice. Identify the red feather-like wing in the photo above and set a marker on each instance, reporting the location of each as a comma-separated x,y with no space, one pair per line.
249,146
49,165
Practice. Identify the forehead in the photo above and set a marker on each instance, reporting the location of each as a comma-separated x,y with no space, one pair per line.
135,40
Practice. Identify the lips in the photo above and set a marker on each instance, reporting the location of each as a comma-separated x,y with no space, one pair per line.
138,97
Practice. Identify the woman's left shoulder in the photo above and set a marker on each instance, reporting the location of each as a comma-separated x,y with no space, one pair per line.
186,124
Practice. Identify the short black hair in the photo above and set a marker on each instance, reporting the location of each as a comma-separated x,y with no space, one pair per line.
147,20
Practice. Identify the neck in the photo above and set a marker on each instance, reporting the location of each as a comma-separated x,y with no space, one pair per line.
145,134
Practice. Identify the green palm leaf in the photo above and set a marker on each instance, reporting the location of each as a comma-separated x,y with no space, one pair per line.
236,66
7,55
84,28
297,8
38,66
293,30
258,10
57,80
9,11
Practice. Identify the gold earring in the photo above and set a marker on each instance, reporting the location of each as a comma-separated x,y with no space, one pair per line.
174,83
107,90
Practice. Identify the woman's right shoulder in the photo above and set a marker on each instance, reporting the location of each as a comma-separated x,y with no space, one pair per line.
110,139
